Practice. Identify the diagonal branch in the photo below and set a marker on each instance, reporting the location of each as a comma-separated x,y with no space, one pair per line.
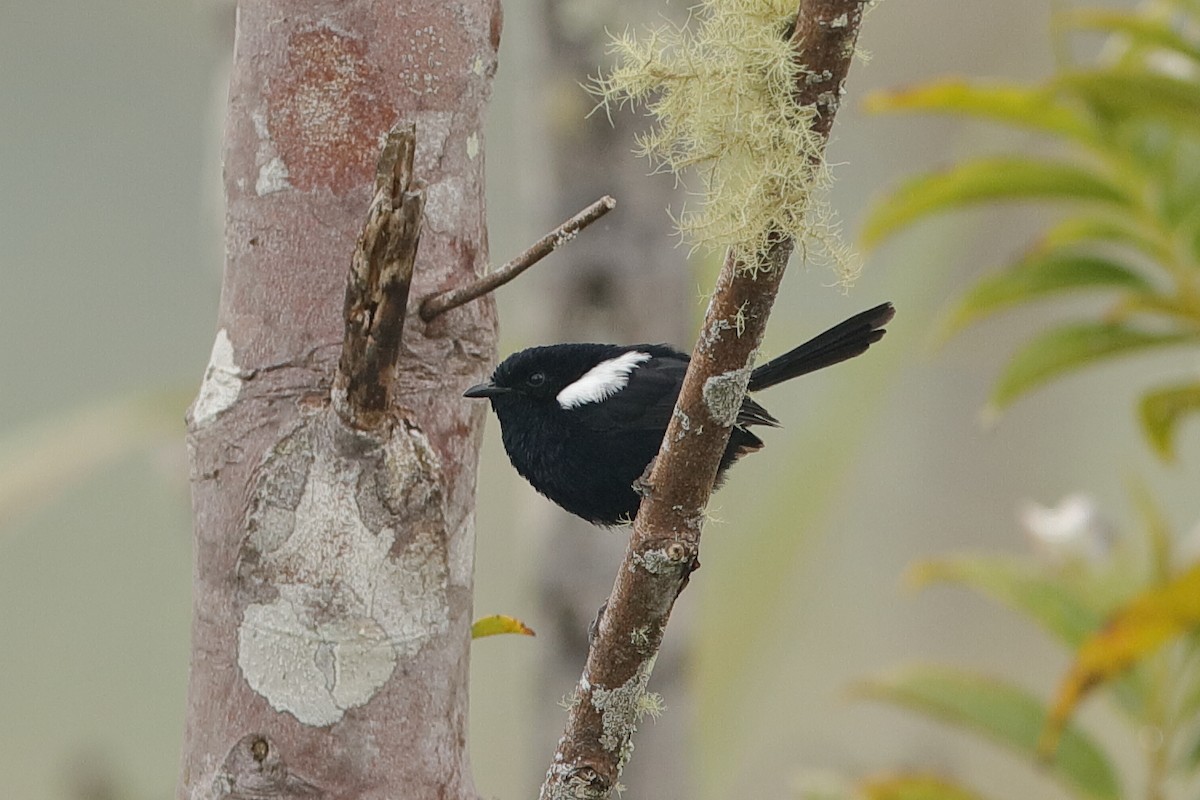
377,287
664,545
437,304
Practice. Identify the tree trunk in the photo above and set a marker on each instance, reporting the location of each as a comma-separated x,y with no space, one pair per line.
333,561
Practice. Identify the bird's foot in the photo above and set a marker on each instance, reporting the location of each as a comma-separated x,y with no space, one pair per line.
642,485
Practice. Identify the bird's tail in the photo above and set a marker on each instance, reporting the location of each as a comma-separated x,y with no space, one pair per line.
844,340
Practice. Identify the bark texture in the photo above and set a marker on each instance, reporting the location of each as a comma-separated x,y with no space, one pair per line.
663,549
333,560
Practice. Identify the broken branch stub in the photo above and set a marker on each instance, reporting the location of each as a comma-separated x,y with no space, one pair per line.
378,283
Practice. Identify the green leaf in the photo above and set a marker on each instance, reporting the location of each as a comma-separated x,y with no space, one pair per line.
1049,601
1128,94
1004,713
1174,307
1118,229
1189,704
1030,107
1156,530
984,181
1190,761
1069,348
1161,412
1040,273
913,786
1141,28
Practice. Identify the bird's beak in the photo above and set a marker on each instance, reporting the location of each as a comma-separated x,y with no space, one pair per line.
488,389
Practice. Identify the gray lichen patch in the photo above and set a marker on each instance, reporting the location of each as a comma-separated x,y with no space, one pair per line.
621,709
272,177
343,567
712,334
685,423
222,382
724,393
655,560
573,782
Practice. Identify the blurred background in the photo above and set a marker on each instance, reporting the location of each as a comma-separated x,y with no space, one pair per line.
110,263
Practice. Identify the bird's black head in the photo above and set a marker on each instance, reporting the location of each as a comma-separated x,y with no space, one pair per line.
550,376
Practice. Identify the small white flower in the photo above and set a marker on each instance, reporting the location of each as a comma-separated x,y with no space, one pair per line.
1074,530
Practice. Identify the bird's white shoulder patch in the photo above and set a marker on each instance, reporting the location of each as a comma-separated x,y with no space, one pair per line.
602,381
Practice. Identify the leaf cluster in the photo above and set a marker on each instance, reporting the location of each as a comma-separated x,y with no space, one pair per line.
1124,135
1130,623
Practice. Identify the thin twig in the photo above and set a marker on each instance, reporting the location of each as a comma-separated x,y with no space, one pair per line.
664,545
440,303
378,283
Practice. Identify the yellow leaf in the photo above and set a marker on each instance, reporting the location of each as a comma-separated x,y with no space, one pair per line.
1146,623
914,786
497,624
1162,410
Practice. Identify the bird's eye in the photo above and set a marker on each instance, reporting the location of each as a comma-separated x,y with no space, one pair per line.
536,379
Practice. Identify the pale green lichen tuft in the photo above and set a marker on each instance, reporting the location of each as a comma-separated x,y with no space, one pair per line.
640,638
721,90
651,705
569,700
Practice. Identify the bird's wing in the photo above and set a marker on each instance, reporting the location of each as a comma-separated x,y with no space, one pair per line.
647,400
644,403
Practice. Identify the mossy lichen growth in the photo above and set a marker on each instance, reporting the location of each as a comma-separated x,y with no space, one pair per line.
721,90
623,707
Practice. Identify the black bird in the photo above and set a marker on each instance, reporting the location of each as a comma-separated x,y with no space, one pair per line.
582,421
